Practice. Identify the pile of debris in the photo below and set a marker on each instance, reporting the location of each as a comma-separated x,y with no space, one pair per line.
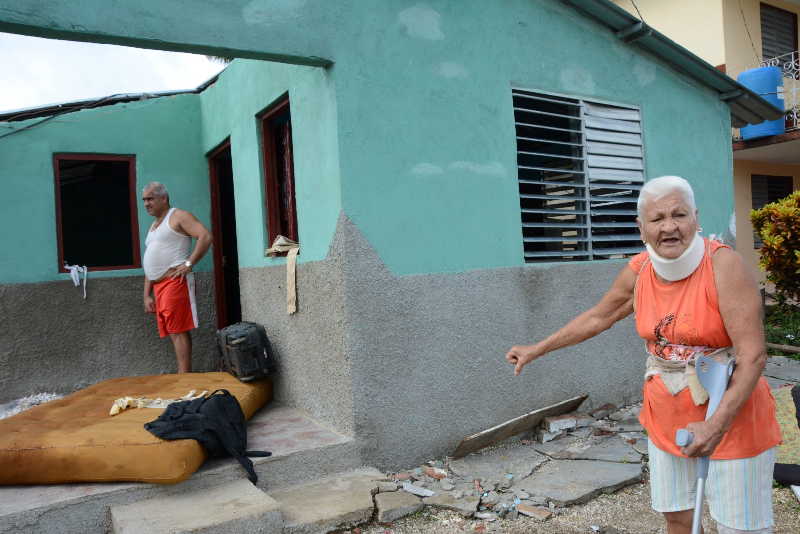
567,460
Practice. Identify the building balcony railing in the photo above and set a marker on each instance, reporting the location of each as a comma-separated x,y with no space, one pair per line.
790,66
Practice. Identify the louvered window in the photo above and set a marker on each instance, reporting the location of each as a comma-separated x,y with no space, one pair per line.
580,168
767,189
778,31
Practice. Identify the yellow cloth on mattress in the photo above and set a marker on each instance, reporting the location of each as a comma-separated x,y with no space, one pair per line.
74,439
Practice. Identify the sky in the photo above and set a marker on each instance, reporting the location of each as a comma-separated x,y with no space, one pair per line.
38,71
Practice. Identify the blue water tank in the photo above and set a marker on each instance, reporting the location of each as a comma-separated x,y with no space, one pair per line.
767,82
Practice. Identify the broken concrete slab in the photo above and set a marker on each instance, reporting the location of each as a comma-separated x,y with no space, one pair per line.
565,482
395,505
603,411
556,446
417,489
386,487
606,448
557,423
466,506
514,426
340,501
236,507
493,465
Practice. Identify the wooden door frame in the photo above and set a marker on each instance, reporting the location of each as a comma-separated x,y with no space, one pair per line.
220,297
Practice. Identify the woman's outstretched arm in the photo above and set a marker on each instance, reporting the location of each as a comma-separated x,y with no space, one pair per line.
616,304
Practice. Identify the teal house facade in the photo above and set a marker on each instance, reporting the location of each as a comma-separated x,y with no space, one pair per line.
460,176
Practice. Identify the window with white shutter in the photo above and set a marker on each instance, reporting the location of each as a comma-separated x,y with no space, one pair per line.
580,168
767,189
778,31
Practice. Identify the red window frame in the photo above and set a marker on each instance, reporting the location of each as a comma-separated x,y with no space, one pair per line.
137,259
275,215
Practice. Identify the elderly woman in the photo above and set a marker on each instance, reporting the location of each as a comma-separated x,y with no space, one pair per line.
690,296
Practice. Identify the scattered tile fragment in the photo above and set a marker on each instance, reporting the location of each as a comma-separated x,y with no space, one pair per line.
535,512
416,490
435,472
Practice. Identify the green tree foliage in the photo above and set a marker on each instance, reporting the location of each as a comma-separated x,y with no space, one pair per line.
778,224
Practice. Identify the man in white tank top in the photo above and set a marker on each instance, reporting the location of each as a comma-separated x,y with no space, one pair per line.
168,278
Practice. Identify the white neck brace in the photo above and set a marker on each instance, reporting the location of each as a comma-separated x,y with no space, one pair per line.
682,266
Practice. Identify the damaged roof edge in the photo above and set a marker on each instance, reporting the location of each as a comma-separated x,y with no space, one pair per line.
78,105
746,106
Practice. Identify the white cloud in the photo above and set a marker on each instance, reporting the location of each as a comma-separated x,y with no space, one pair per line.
40,71
422,22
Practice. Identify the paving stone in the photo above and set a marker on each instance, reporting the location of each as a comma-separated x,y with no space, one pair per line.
565,482
490,499
385,487
555,446
494,464
338,502
446,484
237,507
466,506
393,506
631,424
607,448
543,435
783,369
536,512
581,433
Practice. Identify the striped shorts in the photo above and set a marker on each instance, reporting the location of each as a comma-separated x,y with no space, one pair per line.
738,492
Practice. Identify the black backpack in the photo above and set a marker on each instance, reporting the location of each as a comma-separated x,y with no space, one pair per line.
216,421
245,351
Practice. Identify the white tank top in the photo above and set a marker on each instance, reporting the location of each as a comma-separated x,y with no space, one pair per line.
164,248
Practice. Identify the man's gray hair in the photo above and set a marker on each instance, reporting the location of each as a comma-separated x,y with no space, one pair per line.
157,188
663,186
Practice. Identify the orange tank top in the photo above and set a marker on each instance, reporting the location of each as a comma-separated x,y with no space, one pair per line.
676,319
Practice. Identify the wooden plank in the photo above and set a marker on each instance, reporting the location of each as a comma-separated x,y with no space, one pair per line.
784,348
515,426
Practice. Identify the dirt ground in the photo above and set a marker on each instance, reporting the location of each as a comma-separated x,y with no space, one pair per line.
628,511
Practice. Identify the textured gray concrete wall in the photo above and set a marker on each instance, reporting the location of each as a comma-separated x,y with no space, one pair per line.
53,340
427,351
313,369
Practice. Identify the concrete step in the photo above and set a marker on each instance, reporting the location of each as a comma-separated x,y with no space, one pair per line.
302,450
233,508
331,503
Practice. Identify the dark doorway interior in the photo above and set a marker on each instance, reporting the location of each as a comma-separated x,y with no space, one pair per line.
223,221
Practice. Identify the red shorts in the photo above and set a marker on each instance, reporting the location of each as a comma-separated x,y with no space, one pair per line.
176,310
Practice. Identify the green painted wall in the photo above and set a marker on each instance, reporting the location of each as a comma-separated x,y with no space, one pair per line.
427,131
163,133
229,109
423,117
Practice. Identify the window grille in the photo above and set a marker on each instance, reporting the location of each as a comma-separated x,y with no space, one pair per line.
778,31
580,168
767,189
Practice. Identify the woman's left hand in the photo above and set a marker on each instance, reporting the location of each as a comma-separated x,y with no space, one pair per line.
706,437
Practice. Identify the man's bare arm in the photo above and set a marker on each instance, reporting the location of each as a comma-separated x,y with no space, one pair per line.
189,225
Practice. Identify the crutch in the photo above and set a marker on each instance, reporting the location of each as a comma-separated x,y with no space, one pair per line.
714,376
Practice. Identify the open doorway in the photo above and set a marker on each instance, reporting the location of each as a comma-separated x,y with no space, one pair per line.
223,228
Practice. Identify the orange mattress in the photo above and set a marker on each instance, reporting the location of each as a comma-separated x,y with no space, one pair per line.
74,439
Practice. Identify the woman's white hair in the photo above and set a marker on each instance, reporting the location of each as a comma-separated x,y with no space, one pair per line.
157,188
663,186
